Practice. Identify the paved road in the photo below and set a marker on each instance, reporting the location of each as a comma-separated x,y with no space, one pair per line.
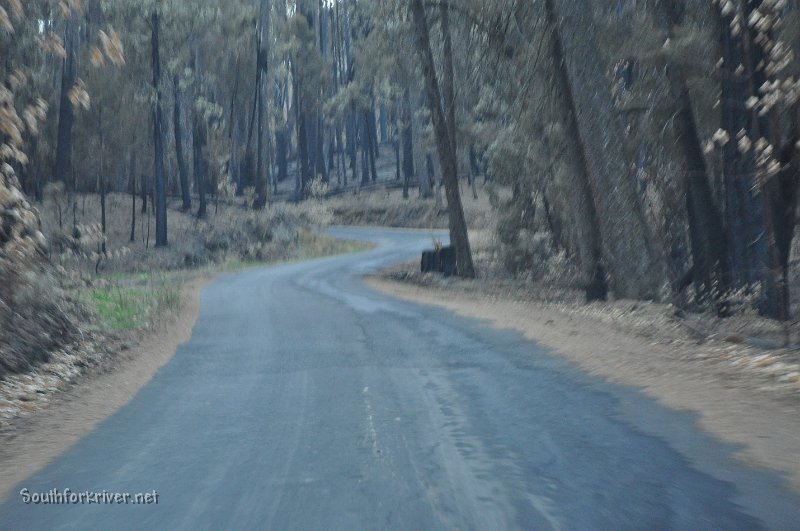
305,400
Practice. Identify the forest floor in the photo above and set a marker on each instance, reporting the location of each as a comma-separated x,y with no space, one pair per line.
741,392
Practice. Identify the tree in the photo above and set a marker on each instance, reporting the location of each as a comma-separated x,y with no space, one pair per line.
158,138
447,155
630,252
66,115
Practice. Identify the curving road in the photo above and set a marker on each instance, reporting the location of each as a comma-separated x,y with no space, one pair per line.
305,400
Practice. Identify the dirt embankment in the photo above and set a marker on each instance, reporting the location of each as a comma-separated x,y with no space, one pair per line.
741,395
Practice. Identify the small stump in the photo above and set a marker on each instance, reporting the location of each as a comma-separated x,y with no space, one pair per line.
439,261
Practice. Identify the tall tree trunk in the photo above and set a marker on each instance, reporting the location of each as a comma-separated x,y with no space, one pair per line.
384,128
341,170
103,181
447,157
364,142
322,169
132,186
145,191
583,212
199,166
158,141
199,162
302,144
706,232
183,171
352,144
629,250
705,222
261,175
407,133
282,154
372,144
448,91
752,200
66,114
420,152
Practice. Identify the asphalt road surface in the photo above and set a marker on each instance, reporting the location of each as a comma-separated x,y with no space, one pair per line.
305,400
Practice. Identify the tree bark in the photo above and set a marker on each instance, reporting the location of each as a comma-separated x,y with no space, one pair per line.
448,91
458,227
630,254
183,171
132,171
706,232
750,205
369,122
158,140
408,141
199,163
66,114
584,214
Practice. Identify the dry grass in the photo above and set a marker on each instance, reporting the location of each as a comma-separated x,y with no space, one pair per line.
36,316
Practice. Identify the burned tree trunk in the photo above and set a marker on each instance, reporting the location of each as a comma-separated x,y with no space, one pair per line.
158,141
199,162
458,227
629,251
706,231
587,226
183,171
407,134
753,199
66,114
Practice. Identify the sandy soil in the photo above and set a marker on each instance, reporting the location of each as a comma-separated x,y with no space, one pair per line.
31,443
731,402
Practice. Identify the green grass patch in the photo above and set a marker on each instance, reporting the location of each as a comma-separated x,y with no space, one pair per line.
121,308
124,307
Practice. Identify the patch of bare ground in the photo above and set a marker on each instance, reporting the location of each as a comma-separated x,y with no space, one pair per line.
742,393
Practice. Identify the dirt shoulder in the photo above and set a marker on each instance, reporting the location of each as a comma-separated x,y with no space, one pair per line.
736,391
29,443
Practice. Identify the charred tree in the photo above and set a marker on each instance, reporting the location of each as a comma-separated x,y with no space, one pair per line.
183,171
753,199
447,157
706,231
66,113
160,190
629,251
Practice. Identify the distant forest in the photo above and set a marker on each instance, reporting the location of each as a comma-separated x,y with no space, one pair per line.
655,143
